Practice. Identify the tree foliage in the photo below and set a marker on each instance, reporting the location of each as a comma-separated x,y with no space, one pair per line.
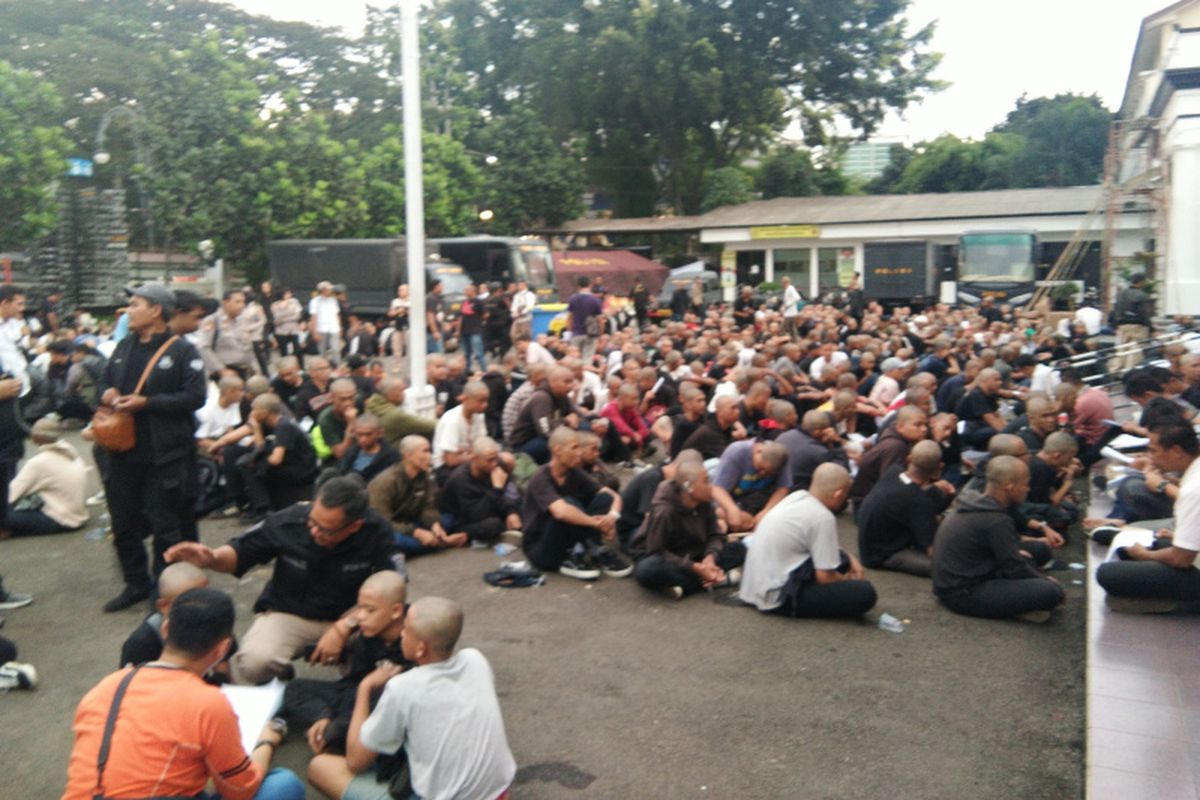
32,156
727,186
1046,141
253,128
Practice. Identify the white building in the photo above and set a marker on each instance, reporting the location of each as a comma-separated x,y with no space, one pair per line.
1158,131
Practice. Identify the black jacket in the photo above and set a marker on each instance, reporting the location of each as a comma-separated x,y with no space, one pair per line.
177,386
977,543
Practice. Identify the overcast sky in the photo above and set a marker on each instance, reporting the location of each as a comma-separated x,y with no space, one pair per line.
1037,47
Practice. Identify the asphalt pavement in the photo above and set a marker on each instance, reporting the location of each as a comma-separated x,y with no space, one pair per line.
612,692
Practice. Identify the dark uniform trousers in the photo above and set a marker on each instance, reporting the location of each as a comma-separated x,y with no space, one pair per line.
147,499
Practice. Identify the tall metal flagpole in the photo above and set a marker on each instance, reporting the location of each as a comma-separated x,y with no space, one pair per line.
420,396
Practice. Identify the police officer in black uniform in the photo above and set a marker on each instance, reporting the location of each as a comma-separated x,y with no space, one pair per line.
151,486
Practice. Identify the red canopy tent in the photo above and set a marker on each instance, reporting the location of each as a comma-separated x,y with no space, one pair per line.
618,268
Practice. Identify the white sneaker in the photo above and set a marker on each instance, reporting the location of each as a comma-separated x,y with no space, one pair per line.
97,499
15,675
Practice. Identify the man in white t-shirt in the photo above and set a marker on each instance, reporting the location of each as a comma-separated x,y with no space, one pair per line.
791,301
222,413
326,314
830,357
444,713
794,566
459,427
1160,579
523,302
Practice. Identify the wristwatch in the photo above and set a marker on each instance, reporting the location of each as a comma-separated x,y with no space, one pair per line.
1162,486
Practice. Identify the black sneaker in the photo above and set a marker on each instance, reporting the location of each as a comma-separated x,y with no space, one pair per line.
130,595
579,567
613,564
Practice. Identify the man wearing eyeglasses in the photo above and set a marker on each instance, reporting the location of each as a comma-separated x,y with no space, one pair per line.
322,553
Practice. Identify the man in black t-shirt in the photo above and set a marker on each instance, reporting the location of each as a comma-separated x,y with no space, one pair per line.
281,467
899,516
471,328
979,410
322,553
743,309
566,516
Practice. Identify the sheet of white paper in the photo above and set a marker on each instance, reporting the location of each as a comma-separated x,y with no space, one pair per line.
1126,441
1116,455
254,706
1127,537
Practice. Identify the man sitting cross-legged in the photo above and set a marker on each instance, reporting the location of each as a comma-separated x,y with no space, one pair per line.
566,515
444,713
322,708
794,566
475,500
169,733
680,549
322,553
979,569
899,516
406,495
1161,578
751,479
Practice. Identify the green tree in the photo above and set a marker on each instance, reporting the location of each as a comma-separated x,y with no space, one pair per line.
667,90
453,186
950,164
727,186
32,156
787,172
1065,136
536,180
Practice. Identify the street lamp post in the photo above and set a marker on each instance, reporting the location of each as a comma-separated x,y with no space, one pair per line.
102,157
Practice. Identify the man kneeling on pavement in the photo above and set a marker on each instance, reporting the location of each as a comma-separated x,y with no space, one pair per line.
322,552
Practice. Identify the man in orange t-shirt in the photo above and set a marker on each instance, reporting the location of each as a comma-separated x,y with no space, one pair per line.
173,732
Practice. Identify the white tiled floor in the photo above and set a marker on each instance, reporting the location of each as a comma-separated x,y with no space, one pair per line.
1143,701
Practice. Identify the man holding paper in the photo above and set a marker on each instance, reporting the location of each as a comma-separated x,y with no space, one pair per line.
1159,578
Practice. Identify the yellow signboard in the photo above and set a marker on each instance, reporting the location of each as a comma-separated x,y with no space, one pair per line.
728,269
785,232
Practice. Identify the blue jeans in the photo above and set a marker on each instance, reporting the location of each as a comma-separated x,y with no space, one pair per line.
279,784
537,448
433,345
473,348
25,523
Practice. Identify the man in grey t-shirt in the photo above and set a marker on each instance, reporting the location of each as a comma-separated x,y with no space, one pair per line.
794,566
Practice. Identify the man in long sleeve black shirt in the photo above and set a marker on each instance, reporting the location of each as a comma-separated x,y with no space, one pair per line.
899,516
471,499
978,567
322,555
151,487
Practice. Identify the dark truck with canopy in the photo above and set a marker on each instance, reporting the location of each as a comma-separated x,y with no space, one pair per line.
370,269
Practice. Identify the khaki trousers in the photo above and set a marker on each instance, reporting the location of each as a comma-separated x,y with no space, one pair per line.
273,641
1129,351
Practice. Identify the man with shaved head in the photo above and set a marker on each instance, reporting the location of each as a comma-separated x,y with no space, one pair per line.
979,569
458,428
387,403
911,426
794,567
979,409
680,550
814,443
547,409
751,479
474,500
899,516
718,432
443,713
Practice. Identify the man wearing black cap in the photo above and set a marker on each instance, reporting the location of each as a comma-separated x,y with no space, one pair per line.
149,487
